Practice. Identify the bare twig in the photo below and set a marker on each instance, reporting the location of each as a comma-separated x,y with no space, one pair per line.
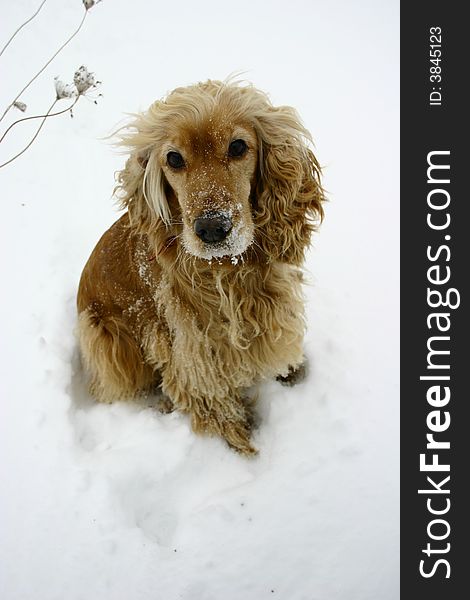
46,65
34,137
46,116
21,27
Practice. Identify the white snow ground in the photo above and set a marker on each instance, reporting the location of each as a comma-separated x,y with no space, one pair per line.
118,502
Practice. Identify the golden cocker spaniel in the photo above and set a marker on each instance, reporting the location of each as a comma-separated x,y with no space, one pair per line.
197,287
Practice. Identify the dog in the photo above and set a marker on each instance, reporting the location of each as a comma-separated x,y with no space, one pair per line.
197,288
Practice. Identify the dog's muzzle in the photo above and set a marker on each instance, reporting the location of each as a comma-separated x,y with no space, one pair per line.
213,227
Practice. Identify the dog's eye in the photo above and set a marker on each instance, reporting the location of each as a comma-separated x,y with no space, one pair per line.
175,160
237,148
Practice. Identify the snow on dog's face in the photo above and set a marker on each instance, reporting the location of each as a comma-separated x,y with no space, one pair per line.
217,168
210,167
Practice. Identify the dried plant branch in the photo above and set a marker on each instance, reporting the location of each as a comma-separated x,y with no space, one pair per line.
21,27
34,137
47,116
83,82
67,41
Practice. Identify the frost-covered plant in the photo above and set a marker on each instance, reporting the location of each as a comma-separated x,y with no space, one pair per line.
83,81
90,3
86,81
64,90
20,105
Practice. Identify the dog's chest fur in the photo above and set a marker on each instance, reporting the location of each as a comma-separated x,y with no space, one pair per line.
216,328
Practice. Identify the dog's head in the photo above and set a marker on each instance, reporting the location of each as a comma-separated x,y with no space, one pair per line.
223,170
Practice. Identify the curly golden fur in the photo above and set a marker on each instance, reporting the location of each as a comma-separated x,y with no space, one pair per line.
197,287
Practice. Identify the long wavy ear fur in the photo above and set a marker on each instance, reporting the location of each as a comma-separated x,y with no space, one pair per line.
289,195
141,184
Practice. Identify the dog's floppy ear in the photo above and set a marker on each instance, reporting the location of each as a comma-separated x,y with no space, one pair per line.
289,194
141,184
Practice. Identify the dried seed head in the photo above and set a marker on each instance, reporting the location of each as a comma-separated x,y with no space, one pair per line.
20,105
64,90
84,80
90,3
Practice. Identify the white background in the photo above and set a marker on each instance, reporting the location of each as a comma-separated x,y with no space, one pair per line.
117,502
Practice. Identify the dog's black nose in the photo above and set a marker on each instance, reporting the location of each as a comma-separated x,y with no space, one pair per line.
211,229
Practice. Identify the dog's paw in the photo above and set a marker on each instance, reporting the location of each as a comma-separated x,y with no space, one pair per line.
294,376
235,431
164,404
237,436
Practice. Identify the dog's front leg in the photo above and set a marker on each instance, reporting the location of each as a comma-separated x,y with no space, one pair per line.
228,418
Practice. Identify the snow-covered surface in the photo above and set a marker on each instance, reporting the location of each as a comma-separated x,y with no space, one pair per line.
119,502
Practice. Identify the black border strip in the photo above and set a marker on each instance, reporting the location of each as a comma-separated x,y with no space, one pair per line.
429,128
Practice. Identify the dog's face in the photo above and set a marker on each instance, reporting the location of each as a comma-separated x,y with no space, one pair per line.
210,170
217,169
